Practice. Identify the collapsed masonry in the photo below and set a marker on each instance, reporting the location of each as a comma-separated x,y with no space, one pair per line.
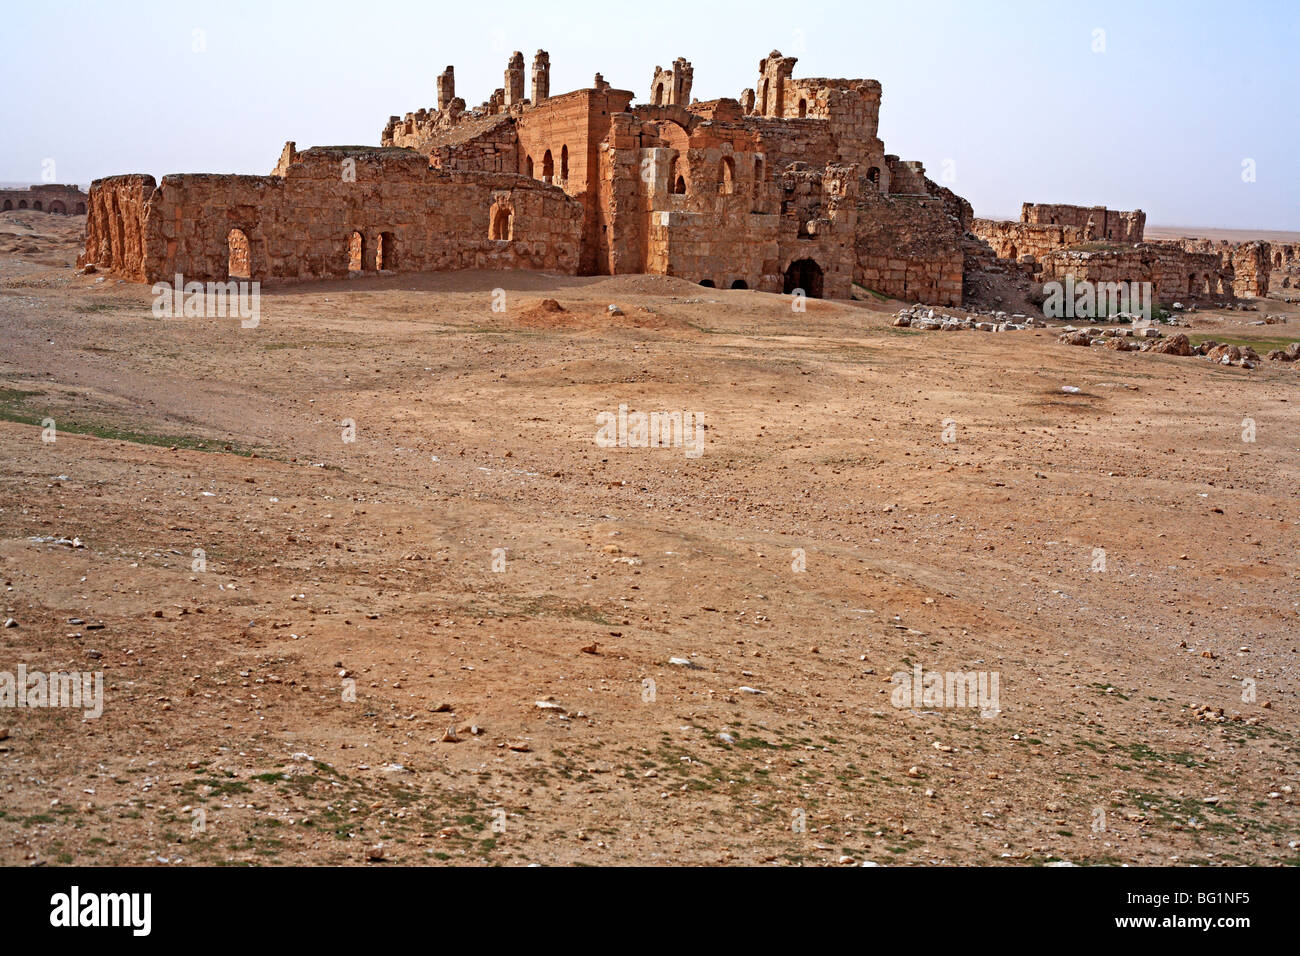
1098,245
788,187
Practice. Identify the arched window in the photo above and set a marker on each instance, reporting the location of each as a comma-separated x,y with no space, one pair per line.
803,108
239,264
564,163
528,166
659,94
727,177
873,175
548,167
356,252
678,180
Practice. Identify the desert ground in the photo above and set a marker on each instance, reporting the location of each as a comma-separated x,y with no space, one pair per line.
564,653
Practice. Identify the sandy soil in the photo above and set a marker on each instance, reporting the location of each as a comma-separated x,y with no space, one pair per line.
1121,734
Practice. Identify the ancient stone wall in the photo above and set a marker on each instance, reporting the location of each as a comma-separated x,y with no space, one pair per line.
1011,240
909,248
46,197
116,229
1098,223
406,215
1175,273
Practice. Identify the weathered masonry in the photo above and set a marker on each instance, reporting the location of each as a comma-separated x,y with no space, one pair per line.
786,187
60,200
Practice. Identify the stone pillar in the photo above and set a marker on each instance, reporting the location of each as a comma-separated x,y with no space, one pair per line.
446,88
773,71
541,77
683,77
515,80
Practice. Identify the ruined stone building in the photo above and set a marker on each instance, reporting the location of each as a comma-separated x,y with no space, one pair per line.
1097,244
786,187
61,200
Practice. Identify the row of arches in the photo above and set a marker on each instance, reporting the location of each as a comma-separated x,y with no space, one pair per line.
57,206
239,253
548,166
802,275
726,184
359,249
1205,284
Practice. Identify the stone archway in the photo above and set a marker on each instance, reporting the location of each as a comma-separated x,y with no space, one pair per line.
356,252
501,221
239,264
807,275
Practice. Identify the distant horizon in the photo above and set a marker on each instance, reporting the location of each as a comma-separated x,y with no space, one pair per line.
1002,102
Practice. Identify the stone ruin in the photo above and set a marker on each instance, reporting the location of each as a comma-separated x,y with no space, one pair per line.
1097,244
785,188
60,200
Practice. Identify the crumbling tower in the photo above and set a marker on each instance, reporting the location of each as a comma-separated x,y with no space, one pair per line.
541,77
515,80
672,87
773,72
446,87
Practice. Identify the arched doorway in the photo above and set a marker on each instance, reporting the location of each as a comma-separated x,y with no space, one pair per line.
239,264
58,207
386,254
803,109
740,284
804,274
9,204
22,204
36,205
356,252
501,225
564,162
727,176
659,94
548,167
708,283
528,166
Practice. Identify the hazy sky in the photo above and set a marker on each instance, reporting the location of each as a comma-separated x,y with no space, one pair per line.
1011,93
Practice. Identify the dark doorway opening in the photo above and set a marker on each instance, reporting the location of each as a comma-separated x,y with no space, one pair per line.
804,274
